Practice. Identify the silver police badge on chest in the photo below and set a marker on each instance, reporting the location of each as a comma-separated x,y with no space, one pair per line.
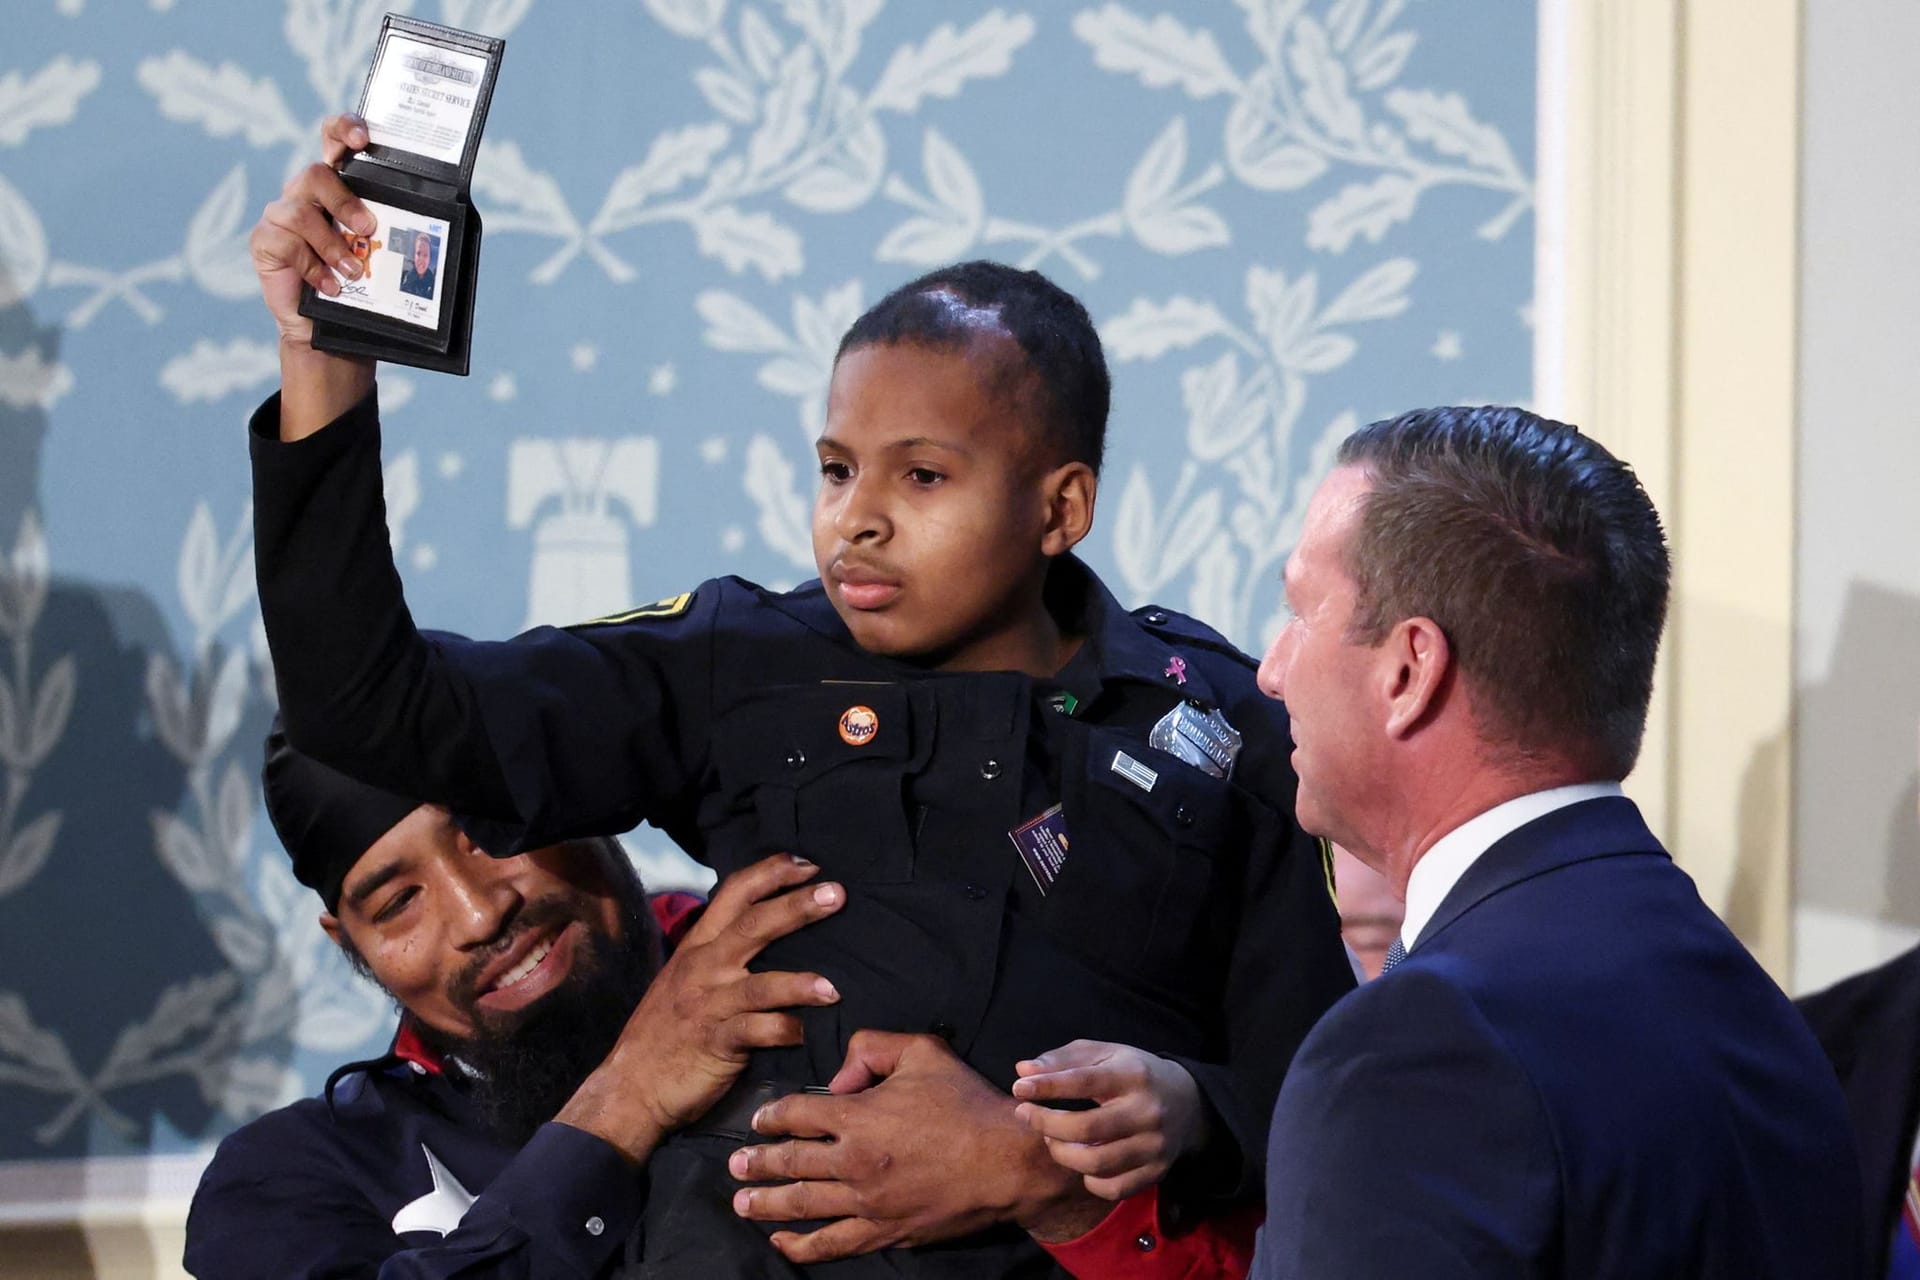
1201,737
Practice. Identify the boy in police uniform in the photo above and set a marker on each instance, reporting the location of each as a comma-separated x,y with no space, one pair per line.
1054,819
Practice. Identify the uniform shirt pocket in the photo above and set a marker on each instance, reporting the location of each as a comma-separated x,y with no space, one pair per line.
822,766
1142,886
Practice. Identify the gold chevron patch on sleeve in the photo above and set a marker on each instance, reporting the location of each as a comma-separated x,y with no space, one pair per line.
671,607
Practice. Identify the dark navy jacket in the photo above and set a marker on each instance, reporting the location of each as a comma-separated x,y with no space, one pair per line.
1579,1074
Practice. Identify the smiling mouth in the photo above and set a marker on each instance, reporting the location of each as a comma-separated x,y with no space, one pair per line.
526,966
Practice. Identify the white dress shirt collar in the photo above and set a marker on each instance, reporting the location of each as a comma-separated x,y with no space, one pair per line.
1436,873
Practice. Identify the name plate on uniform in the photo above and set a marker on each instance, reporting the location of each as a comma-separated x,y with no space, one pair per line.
425,103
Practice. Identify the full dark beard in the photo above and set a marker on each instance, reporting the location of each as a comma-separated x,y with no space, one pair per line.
520,1074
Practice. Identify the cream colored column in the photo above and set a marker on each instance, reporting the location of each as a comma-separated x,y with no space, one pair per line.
1666,326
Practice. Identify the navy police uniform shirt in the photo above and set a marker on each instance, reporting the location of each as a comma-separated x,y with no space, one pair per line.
1190,916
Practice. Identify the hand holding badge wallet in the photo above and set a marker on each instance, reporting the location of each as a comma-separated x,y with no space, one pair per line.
424,103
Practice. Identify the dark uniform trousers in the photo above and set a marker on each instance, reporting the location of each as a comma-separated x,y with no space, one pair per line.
1190,917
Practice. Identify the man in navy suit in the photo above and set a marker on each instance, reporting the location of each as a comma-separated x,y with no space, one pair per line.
1570,1067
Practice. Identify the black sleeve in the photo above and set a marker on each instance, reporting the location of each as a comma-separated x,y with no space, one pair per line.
553,734
278,1205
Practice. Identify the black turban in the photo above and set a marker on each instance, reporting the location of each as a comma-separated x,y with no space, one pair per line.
325,819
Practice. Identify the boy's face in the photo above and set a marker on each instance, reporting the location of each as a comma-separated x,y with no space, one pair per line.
938,507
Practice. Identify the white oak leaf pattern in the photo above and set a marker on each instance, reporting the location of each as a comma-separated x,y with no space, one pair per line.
948,58
50,96
1160,50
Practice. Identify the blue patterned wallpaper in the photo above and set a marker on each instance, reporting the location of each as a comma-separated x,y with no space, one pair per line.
1287,217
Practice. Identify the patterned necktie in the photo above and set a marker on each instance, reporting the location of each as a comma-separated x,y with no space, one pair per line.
1395,954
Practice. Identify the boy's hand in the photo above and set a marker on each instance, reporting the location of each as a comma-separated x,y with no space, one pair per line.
922,1149
296,243
1149,1113
704,1011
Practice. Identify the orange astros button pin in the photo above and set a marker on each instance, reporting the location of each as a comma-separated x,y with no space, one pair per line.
858,725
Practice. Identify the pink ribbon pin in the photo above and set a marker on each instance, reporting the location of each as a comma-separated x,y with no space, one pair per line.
1177,669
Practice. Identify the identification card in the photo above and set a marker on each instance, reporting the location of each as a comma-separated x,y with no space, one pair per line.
1042,843
1198,736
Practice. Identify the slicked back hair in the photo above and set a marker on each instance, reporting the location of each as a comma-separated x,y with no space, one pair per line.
1539,555
1065,372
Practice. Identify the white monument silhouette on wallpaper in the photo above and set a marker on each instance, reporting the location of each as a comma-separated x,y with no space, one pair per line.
580,564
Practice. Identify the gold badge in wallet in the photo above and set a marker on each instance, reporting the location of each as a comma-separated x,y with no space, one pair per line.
1199,736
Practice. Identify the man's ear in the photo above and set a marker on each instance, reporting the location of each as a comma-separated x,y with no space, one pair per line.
1417,670
1070,490
331,923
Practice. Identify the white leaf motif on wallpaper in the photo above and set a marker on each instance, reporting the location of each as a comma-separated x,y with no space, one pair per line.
212,371
1221,415
1267,21
1379,294
947,59
1362,209
736,325
742,240
186,854
845,175
23,578
1323,81
223,100
50,96
28,382
50,710
834,27
786,524
1259,148
22,859
730,95
488,17
1385,60
785,113
761,43
245,947
23,247
336,38
952,217
1159,211
216,249
693,19
1443,120
1159,50
1151,549
42,1053
233,812
671,159
1148,330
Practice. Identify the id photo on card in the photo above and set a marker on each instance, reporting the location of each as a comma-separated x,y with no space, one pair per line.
400,267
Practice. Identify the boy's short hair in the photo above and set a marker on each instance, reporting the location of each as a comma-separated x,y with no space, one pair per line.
1053,329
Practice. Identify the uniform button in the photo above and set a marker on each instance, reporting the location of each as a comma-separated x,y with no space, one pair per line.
976,893
1156,618
1182,816
989,769
1144,1242
942,1028
796,758
595,1226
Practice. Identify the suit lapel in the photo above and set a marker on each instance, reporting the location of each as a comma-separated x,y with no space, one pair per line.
1607,827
